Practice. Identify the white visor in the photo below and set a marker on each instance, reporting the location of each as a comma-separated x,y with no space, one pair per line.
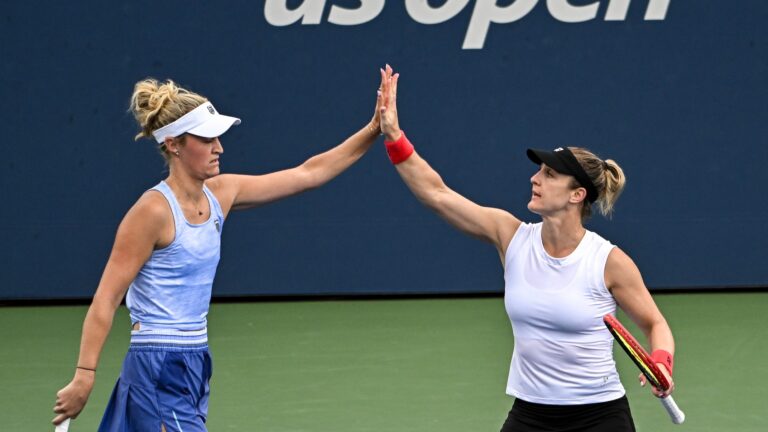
202,121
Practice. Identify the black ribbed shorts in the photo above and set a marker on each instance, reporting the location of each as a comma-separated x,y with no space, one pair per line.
612,416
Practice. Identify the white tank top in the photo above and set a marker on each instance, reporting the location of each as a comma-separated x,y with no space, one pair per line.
563,352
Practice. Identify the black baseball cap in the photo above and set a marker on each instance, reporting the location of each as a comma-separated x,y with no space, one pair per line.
563,161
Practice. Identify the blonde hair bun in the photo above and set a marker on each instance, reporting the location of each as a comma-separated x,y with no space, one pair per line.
155,104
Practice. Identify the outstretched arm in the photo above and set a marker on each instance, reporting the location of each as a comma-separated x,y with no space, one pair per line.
623,279
246,191
489,224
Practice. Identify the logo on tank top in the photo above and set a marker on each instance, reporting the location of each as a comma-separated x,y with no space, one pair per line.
218,227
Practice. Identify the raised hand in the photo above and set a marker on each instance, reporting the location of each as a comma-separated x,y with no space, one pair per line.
390,126
375,125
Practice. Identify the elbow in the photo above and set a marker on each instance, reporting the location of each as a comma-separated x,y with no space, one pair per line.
436,192
101,313
104,305
309,177
433,198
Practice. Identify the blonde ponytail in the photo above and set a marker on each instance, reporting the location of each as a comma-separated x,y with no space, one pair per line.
608,178
614,181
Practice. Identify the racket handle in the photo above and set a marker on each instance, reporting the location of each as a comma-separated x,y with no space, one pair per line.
677,416
63,426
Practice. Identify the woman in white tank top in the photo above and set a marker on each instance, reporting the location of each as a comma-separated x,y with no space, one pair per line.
560,280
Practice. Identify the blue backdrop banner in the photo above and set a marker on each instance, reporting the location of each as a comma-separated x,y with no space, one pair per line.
674,91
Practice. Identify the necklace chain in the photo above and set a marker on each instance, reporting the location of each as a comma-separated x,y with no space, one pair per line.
197,207
194,203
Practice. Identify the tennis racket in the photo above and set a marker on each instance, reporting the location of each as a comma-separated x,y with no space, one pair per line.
63,426
648,367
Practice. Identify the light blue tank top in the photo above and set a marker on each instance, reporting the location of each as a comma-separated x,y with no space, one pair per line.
173,288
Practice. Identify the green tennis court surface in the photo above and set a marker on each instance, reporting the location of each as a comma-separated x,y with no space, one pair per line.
388,365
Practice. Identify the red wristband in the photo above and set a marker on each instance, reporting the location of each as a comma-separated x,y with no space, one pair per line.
399,150
663,357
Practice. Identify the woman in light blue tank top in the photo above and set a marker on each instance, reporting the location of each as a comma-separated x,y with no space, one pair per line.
560,281
165,256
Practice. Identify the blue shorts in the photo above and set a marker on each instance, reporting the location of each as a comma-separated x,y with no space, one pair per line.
164,381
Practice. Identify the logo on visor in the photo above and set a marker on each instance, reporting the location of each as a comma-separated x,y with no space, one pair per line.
559,149
211,110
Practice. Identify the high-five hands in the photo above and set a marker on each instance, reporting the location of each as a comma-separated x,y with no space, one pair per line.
388,104
375,124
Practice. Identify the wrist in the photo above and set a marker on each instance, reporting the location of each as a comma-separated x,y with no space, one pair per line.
85,371
86,378
398,149
664,357
393,136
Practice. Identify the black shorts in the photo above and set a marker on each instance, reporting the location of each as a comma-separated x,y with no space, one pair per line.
612,416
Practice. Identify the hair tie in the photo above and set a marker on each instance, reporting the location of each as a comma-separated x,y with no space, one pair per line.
605,165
